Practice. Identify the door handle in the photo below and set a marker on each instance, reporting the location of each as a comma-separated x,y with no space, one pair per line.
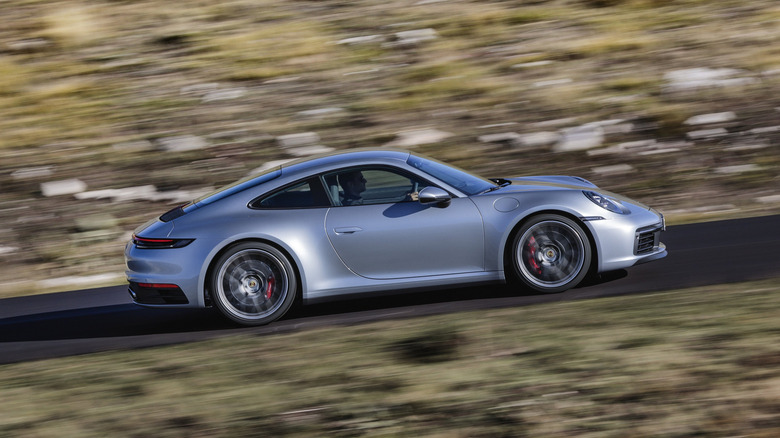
347,230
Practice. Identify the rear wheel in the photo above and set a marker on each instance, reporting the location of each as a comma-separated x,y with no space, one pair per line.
551,253
253,284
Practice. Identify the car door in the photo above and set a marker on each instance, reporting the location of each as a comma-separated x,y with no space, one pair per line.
391,235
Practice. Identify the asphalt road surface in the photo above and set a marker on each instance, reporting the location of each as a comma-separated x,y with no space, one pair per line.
87,321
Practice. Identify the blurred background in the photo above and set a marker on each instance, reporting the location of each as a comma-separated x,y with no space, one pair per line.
114,111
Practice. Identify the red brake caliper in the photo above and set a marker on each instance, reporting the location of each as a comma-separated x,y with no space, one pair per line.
270,288
532,256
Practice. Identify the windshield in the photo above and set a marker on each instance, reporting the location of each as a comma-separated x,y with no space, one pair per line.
238,186
457,178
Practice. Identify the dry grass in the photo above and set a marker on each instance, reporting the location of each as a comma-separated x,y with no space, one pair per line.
78,77
698,362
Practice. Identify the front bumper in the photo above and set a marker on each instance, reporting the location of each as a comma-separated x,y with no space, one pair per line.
659,252
623,241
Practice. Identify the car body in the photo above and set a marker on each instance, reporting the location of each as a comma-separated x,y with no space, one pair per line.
253,248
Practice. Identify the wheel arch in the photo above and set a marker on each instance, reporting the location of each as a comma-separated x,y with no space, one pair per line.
506,251
227,246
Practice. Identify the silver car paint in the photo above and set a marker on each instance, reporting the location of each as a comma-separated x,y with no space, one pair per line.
408,239
308,236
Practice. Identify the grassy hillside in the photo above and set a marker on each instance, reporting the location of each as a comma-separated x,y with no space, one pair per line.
700,362
138,105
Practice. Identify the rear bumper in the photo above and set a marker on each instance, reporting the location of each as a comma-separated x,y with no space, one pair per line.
156,294
165,277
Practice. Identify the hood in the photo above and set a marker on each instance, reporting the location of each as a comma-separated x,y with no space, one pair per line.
551,182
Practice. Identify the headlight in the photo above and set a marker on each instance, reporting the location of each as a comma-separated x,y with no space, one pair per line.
606,202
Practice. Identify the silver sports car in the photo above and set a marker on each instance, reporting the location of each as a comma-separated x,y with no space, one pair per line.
360,222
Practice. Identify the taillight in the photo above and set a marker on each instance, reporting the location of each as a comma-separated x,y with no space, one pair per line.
149,243
157,293
158,285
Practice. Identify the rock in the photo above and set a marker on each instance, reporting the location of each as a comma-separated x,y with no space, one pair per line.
498,125
183,143
147,192
29,45
32,173
641,147
614,169
361,72
741,147
134,146
580,138
297,140
532,64
709,119
227,94
230,134
704,134
770,199
659,151
63,187
304,151
539,139
638,146
4,250
367,39
199,89
321,112
302,144
126,194
418,137
515,140
413,37
282,80
552,82
741,168
765,130
180,196
696,78
555,122
144,193
509,138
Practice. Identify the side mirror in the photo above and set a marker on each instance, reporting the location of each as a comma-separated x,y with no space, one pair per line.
434,195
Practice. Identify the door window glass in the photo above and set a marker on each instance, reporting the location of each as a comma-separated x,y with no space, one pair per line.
365,186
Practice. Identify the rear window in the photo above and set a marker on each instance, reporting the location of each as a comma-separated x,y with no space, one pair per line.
306,194
238,186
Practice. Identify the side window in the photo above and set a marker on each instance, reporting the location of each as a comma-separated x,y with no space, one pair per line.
365,186
306,194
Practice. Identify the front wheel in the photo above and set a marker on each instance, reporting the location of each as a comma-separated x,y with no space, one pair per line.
551,253
253,284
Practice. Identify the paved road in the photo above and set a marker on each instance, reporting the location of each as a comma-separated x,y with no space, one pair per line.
80,322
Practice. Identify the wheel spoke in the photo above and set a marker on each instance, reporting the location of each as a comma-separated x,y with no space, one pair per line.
252,284
550,254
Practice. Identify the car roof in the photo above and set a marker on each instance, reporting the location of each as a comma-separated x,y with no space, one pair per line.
334,159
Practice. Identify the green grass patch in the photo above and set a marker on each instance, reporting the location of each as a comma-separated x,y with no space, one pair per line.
701,362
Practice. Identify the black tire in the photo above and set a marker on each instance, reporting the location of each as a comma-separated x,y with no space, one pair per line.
550,253
253,284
